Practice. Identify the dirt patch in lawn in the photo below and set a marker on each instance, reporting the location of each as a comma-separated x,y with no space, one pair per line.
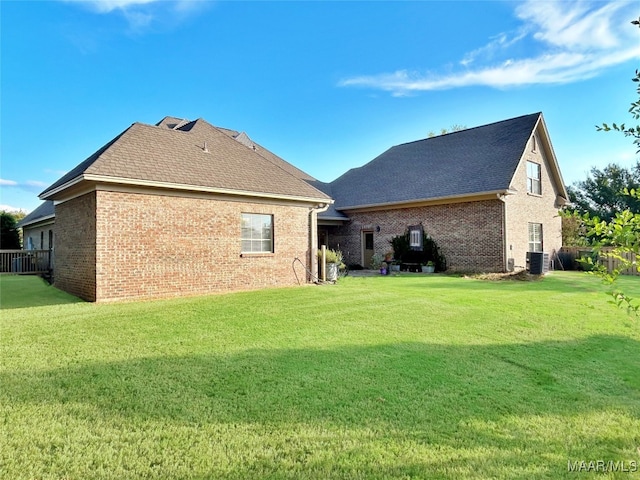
521,276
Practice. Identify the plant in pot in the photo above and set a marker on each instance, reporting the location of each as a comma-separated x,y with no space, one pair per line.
424,258
333,259
428,267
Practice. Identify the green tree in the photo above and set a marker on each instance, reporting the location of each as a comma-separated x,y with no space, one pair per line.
622,235
602,193
634,110
622,232
9,235
443,131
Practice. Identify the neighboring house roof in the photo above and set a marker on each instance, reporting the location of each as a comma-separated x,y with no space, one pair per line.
189,155
45,211
464,163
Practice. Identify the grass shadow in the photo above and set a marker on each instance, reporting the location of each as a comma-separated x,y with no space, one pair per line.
400,385
24,291
455,399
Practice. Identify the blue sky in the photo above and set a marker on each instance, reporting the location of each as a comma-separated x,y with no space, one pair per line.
326,85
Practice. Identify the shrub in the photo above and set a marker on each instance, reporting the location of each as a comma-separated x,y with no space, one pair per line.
429,253
332,256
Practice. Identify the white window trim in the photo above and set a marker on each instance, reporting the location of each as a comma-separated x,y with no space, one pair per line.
257,240
533,181
535,236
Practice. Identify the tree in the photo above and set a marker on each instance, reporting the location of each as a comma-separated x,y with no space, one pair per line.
574,232
443,131
9,235
622,232
634,110
602,193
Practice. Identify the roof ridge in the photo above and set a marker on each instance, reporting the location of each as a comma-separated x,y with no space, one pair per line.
471,128
145,153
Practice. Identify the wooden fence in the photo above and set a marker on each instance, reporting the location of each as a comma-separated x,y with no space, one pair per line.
25,261
569,256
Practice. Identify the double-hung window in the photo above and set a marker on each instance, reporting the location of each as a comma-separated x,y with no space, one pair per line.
257,233
415,237
535,237
533,178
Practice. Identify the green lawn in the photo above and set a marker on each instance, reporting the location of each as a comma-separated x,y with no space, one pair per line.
382,377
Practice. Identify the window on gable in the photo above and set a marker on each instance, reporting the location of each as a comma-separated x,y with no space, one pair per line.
257,233
535,237
534,184
534,145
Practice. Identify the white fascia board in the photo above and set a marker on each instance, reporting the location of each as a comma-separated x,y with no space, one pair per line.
183,187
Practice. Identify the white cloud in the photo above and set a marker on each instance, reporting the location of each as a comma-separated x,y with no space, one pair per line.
493,48
573,25
10,208
141,14
107,6
34,186
574,41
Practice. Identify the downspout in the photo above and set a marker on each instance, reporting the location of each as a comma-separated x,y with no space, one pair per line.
313,240
505,250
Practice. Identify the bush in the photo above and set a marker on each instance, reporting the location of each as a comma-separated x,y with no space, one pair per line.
429,253
332,256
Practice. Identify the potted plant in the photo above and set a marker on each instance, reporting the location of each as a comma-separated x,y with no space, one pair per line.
428,267
334,261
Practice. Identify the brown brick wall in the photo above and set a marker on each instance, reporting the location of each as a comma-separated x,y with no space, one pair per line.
75,247
469,234
523,208
151,246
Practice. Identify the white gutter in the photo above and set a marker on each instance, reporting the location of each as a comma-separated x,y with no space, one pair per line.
505,248
429,200
37,220
179,186
313,241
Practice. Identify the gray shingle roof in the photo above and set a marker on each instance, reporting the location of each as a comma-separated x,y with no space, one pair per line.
331,213
476,160
44,210
173,152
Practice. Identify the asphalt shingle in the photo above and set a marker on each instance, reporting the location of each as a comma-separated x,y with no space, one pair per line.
45,209
476,160
196,154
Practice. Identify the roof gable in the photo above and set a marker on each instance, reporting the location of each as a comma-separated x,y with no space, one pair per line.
190,154
468,162
44,211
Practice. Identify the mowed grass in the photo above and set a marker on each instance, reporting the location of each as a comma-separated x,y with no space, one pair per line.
382,377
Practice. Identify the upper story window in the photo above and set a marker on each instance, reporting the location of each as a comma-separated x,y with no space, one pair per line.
257,233
534,144
534,184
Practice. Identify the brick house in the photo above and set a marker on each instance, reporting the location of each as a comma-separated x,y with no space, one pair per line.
37,227
182,208
487,195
